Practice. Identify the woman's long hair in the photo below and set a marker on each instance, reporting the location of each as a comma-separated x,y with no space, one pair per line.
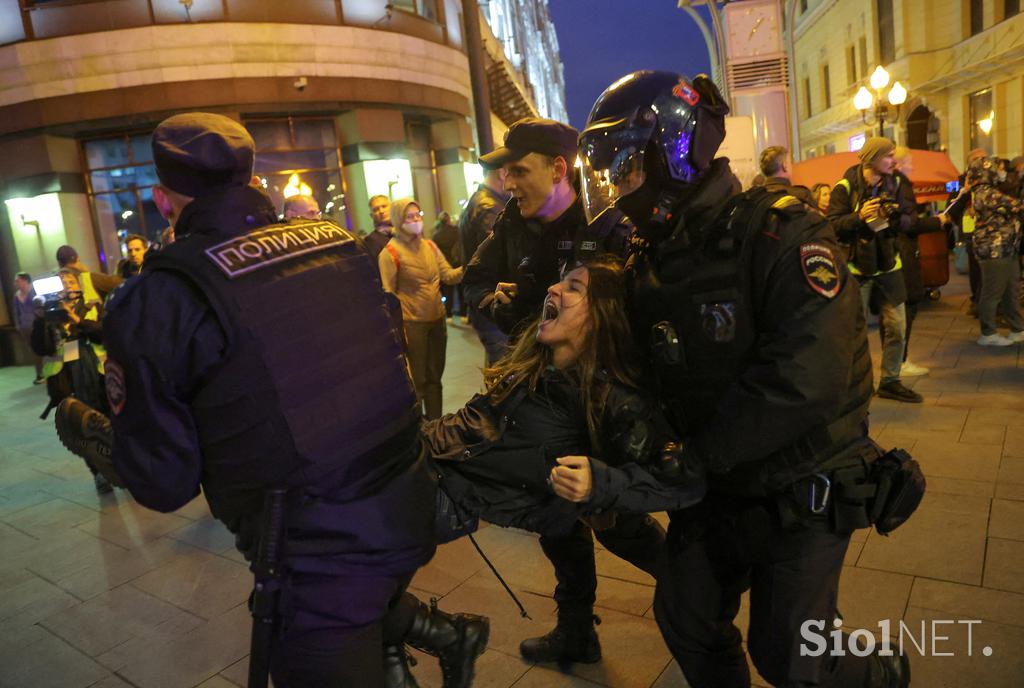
608,346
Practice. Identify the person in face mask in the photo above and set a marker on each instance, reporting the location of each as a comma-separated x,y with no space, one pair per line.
413,269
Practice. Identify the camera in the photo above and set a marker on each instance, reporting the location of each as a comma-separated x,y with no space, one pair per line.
50,297
887,210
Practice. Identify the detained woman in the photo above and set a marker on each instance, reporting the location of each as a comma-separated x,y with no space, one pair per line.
563,433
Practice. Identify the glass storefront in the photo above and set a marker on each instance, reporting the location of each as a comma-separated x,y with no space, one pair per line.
293,155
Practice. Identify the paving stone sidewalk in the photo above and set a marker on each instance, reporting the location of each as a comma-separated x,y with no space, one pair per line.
97,591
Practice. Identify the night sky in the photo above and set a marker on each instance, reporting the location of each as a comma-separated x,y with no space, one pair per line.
602,40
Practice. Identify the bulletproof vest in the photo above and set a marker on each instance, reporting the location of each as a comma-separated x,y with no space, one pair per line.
314,381
697,316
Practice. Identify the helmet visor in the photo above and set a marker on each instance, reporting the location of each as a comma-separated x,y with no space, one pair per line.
612,159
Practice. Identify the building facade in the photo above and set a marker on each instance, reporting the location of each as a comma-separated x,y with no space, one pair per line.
345,99
961,61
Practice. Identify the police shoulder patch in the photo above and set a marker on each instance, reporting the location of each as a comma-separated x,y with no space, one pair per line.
116,388
820,269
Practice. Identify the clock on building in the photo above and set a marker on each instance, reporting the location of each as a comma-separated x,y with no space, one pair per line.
752,29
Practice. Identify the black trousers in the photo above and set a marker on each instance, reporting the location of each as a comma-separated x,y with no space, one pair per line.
334,629
715,553
637,538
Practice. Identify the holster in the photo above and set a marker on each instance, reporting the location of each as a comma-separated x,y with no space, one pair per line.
267,569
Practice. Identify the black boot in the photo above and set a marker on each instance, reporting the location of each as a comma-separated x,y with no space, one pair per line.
573,639
456,639
87,433
396,668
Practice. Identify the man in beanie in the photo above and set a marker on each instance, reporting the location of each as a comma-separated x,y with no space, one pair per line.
540,230
868,209
225,373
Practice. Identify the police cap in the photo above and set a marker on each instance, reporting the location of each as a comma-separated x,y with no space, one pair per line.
199,152
534,135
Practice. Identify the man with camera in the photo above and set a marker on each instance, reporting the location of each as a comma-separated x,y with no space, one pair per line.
868,209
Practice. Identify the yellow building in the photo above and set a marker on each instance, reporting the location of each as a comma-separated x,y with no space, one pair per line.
961,61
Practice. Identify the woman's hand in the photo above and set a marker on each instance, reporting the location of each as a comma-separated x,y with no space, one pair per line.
571,479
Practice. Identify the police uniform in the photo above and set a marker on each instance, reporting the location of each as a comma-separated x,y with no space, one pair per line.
231,367
757,336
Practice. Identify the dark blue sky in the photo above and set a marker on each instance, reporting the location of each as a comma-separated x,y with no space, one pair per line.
601,40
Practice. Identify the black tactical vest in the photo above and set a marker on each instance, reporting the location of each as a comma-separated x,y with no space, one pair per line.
695,312
314,390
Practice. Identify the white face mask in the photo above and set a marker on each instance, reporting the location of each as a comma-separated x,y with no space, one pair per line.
1001,174
414,228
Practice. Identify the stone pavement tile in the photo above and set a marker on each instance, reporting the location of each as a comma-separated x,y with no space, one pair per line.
14,542
546,677
115,568
1004,565
1003,378
1007,521
208,533
204,584
53,517
196,656
195,510
944,539
962,460
482,594
50,663
853,553
111,681
453,564
31,600
28,492
493,670
236,674
996,415
957,486
1011,469
970,400
624,596
942,379
673,677
110,619
867,596
922,418
77,486
1003,669
66,555
611,566
217,681
983,433
525,566
1008,490
1014,444
968,601
131,524
142,645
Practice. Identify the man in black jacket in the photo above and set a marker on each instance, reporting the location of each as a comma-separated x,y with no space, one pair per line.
475,224
756,334
868,210
541,229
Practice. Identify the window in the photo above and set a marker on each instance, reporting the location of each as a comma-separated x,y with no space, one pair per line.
981,119
851,65
424,8
826,87
863,56
120,180
297,152
830,148
807,98
1010,8
977,17
886,32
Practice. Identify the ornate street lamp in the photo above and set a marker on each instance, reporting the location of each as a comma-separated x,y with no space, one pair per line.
864,99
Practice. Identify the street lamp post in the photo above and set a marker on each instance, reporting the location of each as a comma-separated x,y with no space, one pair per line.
864,100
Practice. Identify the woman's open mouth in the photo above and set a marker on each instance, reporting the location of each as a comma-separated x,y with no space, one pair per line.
550,311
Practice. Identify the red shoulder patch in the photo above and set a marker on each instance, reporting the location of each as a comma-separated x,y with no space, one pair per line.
820,270
684,91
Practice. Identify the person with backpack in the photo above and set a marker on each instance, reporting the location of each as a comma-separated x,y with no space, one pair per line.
756,334
413,268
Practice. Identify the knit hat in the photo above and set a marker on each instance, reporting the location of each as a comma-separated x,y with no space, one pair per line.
875,148
199,152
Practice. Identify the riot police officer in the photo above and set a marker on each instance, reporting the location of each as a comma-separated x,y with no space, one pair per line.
231,366
756,332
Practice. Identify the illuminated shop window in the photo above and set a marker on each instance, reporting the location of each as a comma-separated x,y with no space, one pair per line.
299,154
982,119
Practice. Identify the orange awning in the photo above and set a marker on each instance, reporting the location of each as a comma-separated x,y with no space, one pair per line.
931,171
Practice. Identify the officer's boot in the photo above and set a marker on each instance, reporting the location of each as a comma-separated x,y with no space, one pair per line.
573,639
895,671
87,433
456,639
396,668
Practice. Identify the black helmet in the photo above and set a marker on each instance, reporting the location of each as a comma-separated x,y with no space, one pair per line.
653,129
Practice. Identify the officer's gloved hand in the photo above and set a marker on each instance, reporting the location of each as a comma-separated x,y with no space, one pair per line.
673,467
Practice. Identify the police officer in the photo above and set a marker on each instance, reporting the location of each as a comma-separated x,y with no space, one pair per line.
756,332
225,372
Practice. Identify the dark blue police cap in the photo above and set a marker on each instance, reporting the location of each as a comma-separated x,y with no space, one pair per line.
199,152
